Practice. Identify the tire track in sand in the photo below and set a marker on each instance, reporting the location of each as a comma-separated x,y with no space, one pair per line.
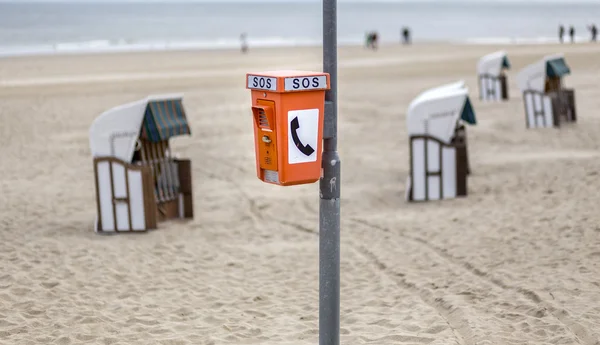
453,318
579,332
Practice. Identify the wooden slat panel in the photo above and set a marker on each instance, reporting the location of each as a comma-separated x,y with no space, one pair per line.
98,207
185,183
112,194
150,212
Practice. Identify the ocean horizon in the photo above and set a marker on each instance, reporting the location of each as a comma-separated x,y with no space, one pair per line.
49,27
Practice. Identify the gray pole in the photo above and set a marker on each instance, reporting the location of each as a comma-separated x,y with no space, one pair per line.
329,205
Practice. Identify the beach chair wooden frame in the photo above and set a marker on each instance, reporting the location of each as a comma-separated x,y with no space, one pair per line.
458,147
489,91
549,109
155,208
461,138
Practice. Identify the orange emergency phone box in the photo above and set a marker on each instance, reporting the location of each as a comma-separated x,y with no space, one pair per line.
288,108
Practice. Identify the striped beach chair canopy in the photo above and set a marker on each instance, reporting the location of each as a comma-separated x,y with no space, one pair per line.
163,119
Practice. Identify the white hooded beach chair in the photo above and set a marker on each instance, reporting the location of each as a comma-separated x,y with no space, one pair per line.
138,181
493,84
547,101
438,147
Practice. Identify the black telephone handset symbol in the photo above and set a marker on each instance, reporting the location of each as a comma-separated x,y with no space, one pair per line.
306,149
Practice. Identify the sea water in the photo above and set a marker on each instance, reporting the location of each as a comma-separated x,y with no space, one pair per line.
85,26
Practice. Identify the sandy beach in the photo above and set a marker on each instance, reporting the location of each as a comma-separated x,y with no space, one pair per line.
515,262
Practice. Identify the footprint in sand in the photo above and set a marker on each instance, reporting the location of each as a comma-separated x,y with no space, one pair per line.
255,313
49,285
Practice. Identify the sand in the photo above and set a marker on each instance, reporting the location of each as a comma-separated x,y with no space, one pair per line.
515,262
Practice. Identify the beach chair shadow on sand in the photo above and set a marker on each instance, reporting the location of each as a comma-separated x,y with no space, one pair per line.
439,162
139,183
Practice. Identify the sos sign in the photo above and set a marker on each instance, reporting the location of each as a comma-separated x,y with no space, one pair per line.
305,83
262,83
258,82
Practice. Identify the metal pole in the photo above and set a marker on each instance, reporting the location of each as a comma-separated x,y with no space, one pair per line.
329,205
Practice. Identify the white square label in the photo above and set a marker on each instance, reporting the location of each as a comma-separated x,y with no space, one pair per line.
303,132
